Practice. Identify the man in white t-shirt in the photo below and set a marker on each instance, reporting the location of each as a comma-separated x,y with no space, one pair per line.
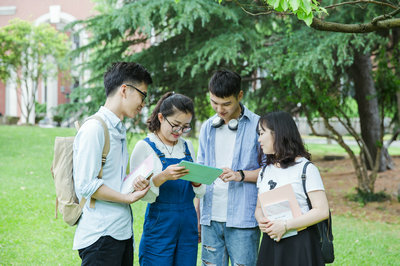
228,140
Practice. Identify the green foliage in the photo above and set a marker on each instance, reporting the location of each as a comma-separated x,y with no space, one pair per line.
40,108
303,9
24,43
364,197
387,77
33,53
307,70
190,40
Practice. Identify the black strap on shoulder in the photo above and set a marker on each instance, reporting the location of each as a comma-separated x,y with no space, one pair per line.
262,172
303,179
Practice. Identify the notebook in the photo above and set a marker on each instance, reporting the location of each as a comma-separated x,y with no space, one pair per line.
199,173
145,169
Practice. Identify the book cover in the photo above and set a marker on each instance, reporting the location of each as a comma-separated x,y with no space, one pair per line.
279,194
145,169
280,211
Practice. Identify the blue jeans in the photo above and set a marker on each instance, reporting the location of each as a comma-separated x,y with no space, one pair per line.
221,244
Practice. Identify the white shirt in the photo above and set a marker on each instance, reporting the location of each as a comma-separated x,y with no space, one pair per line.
107,218
292,175
142,150
224,148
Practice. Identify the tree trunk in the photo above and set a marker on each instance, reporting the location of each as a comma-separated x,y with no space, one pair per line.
368,107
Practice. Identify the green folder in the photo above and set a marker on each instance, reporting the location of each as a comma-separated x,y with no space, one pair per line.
199,173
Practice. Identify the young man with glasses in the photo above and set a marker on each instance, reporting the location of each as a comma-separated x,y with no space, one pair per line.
228,140
170,235
144,94
104,234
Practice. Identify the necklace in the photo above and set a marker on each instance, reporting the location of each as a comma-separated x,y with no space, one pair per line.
165,146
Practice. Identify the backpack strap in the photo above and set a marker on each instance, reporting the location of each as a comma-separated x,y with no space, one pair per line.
106,150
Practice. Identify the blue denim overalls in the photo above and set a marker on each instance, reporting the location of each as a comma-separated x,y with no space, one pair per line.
170,228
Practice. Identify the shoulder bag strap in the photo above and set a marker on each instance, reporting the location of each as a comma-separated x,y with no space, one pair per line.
303,179
328,221
262,172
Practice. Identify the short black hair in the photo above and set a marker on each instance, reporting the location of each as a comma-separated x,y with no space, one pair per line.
121,72
287,140
225,83
168,105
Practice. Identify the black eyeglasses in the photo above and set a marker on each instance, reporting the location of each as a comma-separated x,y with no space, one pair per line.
176,129
144,94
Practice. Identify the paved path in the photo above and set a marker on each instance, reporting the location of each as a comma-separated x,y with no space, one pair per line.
314,140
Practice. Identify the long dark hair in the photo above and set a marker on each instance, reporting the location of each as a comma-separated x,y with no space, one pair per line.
287,140
168,104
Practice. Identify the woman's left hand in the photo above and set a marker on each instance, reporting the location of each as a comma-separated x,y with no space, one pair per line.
276,229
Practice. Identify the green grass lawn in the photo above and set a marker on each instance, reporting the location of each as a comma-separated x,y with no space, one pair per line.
30,234
321,150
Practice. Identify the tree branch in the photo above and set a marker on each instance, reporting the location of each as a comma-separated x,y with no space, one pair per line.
259,13
321,25
360,170
394,137
385,16
361,2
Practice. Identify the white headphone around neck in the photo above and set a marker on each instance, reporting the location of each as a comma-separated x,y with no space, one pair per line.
233,124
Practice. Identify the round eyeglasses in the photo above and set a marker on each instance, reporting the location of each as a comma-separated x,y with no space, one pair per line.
176,129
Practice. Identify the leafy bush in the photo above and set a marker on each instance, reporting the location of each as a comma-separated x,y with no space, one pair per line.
40,111
365,197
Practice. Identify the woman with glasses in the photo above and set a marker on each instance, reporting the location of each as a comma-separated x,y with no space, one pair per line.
170,234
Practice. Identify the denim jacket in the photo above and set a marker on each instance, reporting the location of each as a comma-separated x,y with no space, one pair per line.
242,196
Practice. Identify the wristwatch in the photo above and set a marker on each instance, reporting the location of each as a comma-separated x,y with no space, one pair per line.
242,175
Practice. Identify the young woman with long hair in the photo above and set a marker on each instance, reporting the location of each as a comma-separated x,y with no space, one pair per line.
286,156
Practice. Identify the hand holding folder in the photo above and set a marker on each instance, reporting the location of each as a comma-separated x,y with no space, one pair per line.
199,173
280,204
145,169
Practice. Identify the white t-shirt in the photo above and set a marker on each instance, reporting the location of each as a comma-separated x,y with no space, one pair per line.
275,177
224,148
142,150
